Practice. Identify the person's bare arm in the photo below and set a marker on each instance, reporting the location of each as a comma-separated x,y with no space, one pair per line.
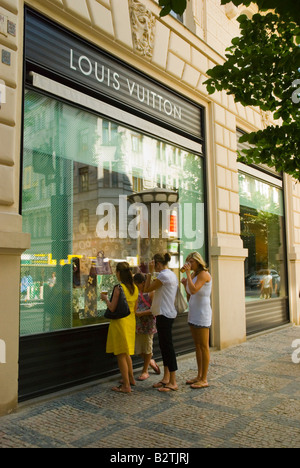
202,278
152,285
112,305
144,313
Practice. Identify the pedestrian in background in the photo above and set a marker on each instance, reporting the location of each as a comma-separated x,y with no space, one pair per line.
267,286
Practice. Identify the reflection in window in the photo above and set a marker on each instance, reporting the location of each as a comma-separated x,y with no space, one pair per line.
84,179
96,193
84,219
137,184
262,231
106,178
177,16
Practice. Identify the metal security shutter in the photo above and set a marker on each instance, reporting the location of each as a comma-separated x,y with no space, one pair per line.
272,313
55,361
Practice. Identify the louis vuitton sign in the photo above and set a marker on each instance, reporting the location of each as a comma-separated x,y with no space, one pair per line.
72,58
111,79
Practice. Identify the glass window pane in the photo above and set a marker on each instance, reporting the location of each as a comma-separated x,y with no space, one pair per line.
96,193
262,231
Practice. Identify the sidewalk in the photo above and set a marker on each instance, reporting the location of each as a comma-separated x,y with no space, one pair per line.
253,401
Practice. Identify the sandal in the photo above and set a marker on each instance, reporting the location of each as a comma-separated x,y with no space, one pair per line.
120,390
191,381
155,367
160,385
142,379
131,384
199,386
168,389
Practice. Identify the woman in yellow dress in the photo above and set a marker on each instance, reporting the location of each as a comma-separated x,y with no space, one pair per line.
121,333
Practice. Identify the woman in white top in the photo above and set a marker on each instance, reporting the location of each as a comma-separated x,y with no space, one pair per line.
165,287
198,287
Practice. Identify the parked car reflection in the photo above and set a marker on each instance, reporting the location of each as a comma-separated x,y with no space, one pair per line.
254,280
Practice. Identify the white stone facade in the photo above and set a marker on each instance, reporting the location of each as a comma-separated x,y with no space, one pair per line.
179,56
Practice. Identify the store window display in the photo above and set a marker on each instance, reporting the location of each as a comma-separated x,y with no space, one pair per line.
96,193
262,231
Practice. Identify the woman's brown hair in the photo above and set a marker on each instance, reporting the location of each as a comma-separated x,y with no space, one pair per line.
162,258
139,278
123,268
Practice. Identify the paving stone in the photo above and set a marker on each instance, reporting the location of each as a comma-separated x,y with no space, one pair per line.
253,401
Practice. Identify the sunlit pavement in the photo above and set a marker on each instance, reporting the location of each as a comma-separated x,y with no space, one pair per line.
253,401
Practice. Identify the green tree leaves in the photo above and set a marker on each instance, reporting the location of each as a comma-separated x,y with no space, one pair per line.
287,8
178,6
262,70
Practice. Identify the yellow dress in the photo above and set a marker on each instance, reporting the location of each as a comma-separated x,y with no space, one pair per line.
121,333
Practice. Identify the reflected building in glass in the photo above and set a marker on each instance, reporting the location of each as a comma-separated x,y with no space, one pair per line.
96,193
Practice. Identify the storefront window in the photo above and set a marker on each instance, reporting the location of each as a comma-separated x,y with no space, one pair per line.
262,231
96,193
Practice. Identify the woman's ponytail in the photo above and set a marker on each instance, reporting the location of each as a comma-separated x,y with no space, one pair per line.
126,277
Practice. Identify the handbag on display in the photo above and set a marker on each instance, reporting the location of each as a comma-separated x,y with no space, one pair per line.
102,265
180,303
122,309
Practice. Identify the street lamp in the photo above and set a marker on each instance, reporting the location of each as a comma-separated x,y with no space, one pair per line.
169,232
155,195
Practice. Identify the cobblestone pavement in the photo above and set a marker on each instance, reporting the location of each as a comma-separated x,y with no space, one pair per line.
253,401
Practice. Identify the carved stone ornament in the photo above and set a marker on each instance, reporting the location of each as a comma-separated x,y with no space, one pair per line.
143,28
231,10
266,117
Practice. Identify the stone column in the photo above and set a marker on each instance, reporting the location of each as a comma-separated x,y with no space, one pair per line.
292,209
226,247
12,241
229,320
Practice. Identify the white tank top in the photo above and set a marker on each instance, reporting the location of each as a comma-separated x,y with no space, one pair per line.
200,312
